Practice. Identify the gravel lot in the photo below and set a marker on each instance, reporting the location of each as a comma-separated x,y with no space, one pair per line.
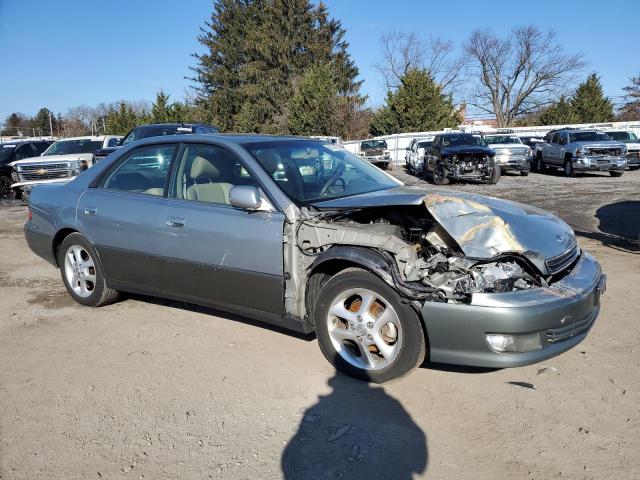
151,389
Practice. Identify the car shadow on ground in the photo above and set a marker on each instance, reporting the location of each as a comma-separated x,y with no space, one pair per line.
618,227
357,431
191,307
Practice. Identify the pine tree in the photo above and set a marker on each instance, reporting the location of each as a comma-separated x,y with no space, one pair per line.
417,105
120,120
257,50
560,113
631,109
41,122
161,110
589,102
313,105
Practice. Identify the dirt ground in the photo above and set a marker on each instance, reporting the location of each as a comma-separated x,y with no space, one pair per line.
151,389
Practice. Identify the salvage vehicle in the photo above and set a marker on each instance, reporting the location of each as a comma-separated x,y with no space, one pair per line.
414,158
510,153
61,162
582,150
461,156
308,236
16,150
375,152
155,130
633,146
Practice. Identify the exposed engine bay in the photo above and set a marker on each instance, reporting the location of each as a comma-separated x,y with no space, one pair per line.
427,264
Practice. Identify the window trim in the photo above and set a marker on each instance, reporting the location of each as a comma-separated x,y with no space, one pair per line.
99,182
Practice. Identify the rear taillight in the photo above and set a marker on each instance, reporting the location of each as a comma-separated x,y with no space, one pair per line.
29,215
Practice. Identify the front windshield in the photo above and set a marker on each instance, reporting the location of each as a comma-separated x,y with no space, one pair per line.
308,171
588,137
5,152
502,139
462,140
70,147
626,137
371,144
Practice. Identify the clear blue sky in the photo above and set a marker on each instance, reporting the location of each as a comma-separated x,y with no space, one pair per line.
64,53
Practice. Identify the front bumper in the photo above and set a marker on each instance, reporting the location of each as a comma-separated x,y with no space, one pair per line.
603,164
513,163
561,314
378,160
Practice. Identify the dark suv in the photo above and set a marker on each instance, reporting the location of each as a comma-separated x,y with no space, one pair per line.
156,130
17,150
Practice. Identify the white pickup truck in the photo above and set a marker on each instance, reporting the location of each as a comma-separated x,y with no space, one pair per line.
61,162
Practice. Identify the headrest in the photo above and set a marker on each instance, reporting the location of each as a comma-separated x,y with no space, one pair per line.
203,168
129,182
269,160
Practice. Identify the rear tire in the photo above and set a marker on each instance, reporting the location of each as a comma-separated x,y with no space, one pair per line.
615,174
540,166
5,188
354,313
82,273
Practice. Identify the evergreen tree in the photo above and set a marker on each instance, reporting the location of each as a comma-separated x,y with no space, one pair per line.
121,119
417,105
589,102
257,49
41,122
314,103
561,112
631,109
161,110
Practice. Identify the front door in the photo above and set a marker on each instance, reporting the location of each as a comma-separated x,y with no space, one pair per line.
220,255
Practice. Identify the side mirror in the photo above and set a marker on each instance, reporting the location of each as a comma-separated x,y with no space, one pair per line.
245,196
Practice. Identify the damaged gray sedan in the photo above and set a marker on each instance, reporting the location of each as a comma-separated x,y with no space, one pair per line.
310,237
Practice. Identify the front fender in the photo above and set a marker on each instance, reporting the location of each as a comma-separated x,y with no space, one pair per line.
367,258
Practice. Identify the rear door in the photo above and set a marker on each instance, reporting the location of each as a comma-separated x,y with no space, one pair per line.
124,217
220,255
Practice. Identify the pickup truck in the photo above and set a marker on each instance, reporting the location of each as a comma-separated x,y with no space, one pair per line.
581,150
61,162
633,146
511,154
375,152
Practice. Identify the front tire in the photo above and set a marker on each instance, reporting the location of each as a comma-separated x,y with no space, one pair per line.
615,174
568,169
495,176
365,329
439,175
82,274
5,188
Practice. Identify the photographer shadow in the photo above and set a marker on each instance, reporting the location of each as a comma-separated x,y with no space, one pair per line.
357,431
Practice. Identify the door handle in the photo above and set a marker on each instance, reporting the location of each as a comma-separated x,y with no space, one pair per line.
90,211
175,222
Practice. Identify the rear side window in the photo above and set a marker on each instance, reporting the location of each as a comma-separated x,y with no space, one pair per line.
144,171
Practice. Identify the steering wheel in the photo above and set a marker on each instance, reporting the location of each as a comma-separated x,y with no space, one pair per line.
332,181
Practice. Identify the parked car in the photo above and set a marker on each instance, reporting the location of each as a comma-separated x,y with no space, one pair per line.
582,150
62,161
375,152
414,158
16,150
461,156
531,141
384,274
155,130
633,146
510,153
333,140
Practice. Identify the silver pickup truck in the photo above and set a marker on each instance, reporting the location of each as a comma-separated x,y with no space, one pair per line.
581,150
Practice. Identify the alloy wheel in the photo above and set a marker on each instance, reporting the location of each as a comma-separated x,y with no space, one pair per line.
364,329
80,271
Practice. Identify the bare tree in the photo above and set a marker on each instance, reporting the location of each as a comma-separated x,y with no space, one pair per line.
403,51
520,74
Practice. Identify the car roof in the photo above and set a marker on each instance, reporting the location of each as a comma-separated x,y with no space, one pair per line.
233,138
20,142
86,137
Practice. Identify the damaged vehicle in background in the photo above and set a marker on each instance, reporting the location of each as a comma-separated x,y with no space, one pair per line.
414,158
375,152
308,236
461,156
510,153
632,143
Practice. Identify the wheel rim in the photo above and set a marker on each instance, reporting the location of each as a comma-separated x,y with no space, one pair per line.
80,270
365,329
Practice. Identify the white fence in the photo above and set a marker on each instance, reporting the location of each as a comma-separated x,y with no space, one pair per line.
398,143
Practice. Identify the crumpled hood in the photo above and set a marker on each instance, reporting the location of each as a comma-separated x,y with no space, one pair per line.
54,158
483,227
